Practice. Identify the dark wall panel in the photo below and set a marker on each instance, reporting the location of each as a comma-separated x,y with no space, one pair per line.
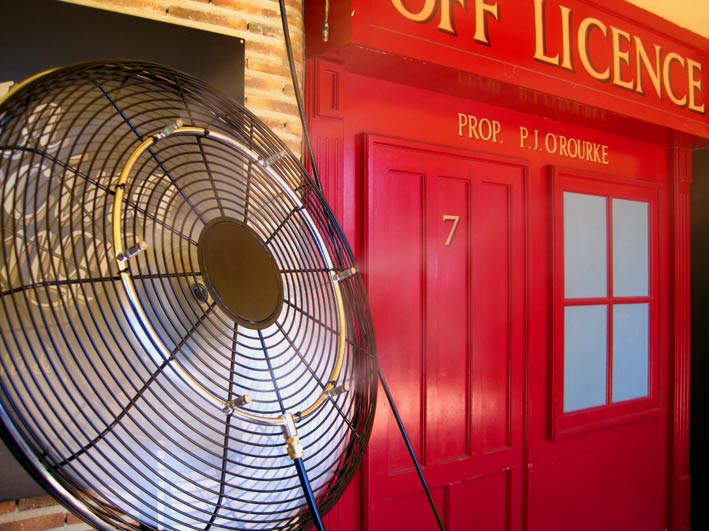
36,35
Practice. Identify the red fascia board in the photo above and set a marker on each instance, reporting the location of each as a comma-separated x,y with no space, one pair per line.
508,57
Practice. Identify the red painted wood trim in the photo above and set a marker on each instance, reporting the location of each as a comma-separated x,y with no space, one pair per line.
325,122
680,359
325,117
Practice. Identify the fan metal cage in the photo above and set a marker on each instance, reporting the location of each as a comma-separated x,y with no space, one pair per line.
174,294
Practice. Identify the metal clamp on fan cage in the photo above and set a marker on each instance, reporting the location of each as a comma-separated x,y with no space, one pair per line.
235,406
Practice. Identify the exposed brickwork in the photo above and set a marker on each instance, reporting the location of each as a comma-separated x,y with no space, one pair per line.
27,504
268,88
268,94
42,513
34,514
34,523
73,520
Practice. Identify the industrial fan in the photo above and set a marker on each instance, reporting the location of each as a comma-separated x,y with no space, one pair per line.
186,341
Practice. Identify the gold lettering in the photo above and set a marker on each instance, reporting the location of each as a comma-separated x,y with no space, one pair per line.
447,23
429,10
667,78
496,128
451,234
482,11
479,128
608,57
620,56
695,85
540,35
523,135
462,122
566,33
486,124
422,16
583,40
473,127
551,136
641,57
569,147
573,148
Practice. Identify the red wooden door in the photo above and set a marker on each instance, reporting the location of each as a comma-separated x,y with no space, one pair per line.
444,263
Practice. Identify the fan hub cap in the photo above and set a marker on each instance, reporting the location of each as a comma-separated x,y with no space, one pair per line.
240,273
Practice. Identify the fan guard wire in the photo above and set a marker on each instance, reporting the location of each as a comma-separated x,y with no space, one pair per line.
123,255
154,407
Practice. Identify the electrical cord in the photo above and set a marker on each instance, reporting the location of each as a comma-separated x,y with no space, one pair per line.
298,97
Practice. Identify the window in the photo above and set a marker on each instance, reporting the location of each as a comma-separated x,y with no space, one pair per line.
605,298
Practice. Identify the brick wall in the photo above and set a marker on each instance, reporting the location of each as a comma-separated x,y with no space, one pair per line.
38,514
268,90
268,93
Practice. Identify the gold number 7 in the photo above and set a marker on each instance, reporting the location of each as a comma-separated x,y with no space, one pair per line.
451,234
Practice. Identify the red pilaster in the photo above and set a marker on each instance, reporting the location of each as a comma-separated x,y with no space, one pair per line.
325,116
680,344
326,125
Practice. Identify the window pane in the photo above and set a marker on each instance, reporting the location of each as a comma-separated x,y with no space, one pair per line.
631,351
585,246
630,248
585,356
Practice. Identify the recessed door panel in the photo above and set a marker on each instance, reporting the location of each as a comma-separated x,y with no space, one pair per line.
446,329
408,511
399,296
492,352
492,509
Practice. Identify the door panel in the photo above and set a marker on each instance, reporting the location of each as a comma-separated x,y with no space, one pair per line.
487,491
445,329
444,263
491,317
399,270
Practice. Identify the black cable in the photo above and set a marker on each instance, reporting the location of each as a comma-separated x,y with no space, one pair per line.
410,448
298,97
309,496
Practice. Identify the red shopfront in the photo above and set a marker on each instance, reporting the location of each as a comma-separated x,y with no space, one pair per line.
514,177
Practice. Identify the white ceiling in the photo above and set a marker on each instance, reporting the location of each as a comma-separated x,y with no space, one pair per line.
690,14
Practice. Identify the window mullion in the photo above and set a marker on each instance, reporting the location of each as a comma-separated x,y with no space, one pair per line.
592,301
609,294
